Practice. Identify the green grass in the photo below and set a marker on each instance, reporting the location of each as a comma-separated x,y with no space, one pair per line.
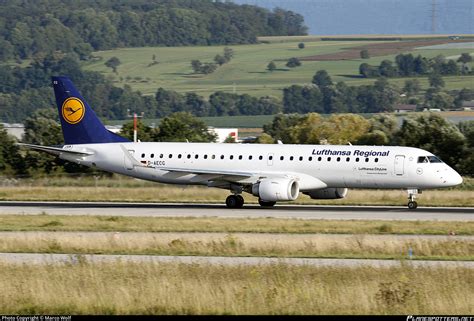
147,288
85,223
241,245
246,73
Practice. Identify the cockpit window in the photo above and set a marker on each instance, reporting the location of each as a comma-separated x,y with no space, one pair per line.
423,159
434,159
429,159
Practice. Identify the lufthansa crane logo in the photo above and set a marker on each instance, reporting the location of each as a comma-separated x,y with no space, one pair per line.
73,110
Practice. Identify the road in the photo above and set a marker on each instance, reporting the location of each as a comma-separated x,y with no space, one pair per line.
253,211
35,258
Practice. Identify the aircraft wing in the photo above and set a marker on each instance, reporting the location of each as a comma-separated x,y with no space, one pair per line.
55,150
206,171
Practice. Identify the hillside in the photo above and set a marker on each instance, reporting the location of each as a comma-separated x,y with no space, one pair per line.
247,72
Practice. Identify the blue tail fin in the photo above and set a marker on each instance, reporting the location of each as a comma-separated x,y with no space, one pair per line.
79,122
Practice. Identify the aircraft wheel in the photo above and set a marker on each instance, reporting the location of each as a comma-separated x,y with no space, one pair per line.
412,205
234,201
265,204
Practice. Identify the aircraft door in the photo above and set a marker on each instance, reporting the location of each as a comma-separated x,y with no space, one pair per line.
399,165
270,159
127,161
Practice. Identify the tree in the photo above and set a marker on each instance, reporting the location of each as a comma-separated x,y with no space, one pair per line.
196,65
364,54
113,63
322,79
465,58
220,60
412,87
435,134
144,133
271,66
11,161
301,45
265,139
208,68
182,126
386,69
293,62
228,54
436,81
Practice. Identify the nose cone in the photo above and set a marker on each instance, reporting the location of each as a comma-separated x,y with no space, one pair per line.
454,179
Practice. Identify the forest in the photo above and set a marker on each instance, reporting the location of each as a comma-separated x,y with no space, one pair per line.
28,28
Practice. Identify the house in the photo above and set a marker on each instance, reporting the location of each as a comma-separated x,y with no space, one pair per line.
468,105
405,108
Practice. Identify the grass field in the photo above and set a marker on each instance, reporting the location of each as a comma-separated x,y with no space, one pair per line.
246,73
88,223
241,244
162,193
145,288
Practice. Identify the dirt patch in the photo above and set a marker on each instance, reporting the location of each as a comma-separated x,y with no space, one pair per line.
378,49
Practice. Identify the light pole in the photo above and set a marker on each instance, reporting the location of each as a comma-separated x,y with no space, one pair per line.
135,129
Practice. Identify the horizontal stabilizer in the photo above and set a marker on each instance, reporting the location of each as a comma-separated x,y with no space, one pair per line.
55,150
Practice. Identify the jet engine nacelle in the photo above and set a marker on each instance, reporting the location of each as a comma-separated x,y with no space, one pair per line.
276,189
327,193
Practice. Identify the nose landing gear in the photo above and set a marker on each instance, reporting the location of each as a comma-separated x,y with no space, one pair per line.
412,204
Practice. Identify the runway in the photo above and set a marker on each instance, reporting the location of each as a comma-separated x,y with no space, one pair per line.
35,258
251,211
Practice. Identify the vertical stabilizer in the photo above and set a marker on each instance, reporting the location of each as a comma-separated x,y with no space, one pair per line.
79,123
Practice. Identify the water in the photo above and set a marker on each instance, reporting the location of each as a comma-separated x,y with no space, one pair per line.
339,17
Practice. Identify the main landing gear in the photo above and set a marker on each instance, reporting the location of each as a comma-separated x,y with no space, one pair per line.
234,201
412,204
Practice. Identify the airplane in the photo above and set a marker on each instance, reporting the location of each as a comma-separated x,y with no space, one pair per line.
271,172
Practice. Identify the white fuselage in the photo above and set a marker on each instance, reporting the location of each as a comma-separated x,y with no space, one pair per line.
315,166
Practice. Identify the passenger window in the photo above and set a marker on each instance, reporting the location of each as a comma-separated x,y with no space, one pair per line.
152,155
338,159
319,159
357,159
250,157
329,159
179,155
301,158
367,160
310,158
348,159
170,155
291,158
260,157
282,158
143,155
222,156
161,155
376,160
196,156
240,157
205,156
213,157
189,156
270,157
231,157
